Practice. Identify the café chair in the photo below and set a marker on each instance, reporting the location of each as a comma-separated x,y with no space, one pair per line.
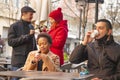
66,67
3,69
70,67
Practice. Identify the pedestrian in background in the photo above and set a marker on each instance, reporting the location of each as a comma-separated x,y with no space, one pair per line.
21,38
59,32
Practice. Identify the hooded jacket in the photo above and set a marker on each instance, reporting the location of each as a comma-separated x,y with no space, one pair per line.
103,58
59,35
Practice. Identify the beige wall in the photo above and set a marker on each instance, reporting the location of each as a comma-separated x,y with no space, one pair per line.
4,26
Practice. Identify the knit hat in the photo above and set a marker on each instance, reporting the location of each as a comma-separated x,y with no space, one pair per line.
56,14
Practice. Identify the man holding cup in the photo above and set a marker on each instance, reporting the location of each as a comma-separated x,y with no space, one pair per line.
103,54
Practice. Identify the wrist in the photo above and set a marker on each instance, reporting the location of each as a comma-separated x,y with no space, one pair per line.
83,43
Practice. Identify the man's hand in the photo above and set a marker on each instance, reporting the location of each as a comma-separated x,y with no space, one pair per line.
87,38
32,32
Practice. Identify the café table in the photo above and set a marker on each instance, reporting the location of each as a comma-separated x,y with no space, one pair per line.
40,75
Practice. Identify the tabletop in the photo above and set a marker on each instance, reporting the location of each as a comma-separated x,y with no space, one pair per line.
40,75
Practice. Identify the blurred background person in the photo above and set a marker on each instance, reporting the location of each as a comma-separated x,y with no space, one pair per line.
59,32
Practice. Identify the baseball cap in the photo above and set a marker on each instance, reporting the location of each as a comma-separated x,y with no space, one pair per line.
27,9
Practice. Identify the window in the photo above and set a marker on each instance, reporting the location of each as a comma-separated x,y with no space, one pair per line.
4,1
26,2
5,32
16,3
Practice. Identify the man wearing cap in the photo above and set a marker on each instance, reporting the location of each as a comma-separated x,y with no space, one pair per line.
21,38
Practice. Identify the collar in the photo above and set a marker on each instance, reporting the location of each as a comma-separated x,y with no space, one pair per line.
25,22
104,41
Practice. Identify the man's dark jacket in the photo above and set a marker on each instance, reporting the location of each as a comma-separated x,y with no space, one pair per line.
103,58
21,41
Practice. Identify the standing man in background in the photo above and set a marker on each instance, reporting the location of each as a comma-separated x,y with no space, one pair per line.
21,38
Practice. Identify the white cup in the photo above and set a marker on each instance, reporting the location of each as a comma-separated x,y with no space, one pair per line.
94,33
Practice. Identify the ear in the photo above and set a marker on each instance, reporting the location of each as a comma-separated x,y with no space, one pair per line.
109,32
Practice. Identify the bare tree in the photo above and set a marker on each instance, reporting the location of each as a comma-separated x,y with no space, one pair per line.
113,13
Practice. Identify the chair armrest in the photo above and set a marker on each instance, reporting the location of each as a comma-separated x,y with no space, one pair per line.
66,66
75,66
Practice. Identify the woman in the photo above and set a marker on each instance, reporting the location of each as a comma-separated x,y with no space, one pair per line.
43,59
58,32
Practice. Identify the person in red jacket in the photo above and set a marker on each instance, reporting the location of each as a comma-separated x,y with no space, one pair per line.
59,32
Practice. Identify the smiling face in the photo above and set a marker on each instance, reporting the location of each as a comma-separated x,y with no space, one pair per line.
102,29
43,45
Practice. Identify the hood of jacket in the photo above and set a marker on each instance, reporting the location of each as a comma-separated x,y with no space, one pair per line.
63,24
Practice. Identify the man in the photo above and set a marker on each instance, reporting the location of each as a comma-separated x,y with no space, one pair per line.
21,38
103,54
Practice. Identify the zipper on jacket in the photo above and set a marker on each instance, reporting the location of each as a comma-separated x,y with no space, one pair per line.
100,58
100,66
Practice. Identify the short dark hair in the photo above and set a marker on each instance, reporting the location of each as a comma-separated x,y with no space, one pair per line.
109,25
45,35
